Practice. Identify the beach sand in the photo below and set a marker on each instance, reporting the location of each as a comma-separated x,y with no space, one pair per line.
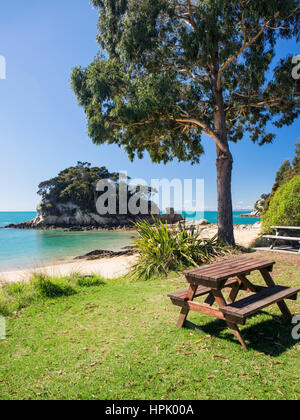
244,234
106,267
117,266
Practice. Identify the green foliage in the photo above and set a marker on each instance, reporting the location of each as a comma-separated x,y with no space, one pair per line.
284,208
260,204
121,343
162,249
285,173
77,185
154,88
59,341
52,287
281,173
88,281
296,160
15,296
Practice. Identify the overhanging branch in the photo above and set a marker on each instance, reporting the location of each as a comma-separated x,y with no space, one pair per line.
246,44
205,129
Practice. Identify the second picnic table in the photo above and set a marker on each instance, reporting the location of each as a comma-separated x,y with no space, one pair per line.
280,235
211,279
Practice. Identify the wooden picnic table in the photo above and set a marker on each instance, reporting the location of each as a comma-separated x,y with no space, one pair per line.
211,279
281,235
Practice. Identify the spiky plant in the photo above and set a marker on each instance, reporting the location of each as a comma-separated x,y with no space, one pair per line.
162,249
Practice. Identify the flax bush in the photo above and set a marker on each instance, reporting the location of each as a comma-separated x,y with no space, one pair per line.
162,249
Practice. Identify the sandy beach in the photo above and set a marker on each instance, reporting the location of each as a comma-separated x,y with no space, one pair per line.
244,234
106,267
117,266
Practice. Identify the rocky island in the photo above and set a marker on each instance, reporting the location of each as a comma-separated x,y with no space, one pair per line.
69,201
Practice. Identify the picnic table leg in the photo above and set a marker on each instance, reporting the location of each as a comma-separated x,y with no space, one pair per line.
274,241
235,291
232,326
281,305
185,311
210,299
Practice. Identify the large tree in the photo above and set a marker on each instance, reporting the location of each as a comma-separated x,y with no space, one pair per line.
169,71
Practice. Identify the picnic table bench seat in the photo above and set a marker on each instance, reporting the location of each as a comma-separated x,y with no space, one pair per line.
284,238
282,235
233,273
239,311
182,295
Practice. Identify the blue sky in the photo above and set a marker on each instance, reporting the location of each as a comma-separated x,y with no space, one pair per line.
42,129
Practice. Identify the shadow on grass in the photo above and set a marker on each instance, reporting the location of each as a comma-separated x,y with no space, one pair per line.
272,337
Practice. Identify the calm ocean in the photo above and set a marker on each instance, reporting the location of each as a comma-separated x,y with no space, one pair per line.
20,248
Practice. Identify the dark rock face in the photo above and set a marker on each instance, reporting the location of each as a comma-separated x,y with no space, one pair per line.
102,253
252,214
72,218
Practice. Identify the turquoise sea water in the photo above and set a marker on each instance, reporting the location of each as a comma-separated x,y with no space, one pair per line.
212,217
29,248
20,248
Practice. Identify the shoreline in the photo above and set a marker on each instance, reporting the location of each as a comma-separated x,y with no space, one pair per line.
108,267
114,266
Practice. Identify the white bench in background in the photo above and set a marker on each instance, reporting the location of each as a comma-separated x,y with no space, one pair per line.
280,235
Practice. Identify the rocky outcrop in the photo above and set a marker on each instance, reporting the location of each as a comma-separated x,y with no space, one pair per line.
70,216
102,253
254,213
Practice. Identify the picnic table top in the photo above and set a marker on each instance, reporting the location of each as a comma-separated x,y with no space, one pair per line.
286,227
214,274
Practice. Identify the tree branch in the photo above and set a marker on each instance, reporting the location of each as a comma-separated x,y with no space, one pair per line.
244,47
205,129
191,17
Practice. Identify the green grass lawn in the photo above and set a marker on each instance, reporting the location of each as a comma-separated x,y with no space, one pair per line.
119,341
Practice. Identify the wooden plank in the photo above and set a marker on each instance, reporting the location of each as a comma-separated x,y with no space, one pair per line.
219,298
219,265
203,308
235,331
236,270
213,280
281,305
254,303
286,227
182,294
201,290
214,265
214,271
248,285
282,238
234,292
185,310
210,300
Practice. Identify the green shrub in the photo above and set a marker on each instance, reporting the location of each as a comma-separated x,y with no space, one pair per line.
88,281
5,305
162,249
52,287
16,296
284,208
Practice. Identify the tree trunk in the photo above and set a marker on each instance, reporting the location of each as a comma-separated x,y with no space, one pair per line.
224,162
225,220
